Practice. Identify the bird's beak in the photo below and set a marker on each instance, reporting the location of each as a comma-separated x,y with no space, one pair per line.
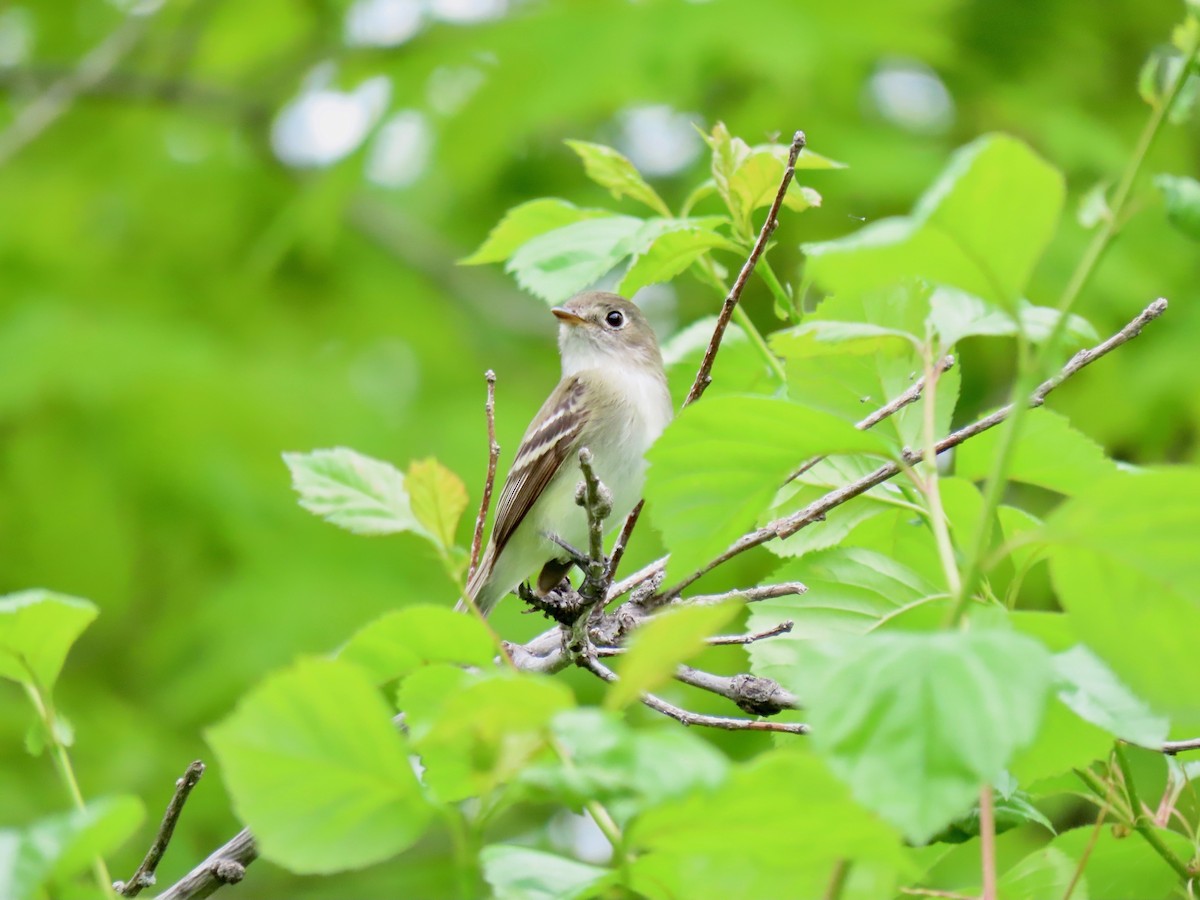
567,317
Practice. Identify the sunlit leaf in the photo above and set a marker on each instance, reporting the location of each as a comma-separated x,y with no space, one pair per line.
609,168
1074,465
58,847
719,463
1124,566
317,770
780,854
660,645
916,723
522,873
37,629
526,221
403,640
670,254
437,498
355,492
981,227
1091,690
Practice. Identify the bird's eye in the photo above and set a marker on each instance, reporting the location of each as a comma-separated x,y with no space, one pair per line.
614,319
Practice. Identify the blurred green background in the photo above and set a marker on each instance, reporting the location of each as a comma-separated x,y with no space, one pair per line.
234,233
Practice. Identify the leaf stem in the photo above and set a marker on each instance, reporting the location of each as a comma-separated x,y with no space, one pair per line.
782,300
987,841
66,772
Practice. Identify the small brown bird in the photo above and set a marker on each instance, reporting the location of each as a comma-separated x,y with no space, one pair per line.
612,399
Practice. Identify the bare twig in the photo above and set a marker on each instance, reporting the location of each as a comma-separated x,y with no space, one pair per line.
623,539
746,595
886,411
750,693
225,865
686,717
704,374
721,640
489,409
1172,747
45,109
143,877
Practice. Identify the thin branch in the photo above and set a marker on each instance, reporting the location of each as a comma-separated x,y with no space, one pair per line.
225,865
749,693
788,525
704,374
143,877
50,105
912,395
987,841
489,410
721,640
1172,747
686,717
623,539
596,500
747,595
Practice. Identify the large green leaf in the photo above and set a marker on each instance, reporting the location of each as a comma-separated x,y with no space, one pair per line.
669,255
317,770
660,645
629,770
916,723
791,821
522,873
1090,689
719,463
1118,867
37,629
480,735
401,641
980,227
523,223
1049,453
1124,565
355,492
956,315
58,847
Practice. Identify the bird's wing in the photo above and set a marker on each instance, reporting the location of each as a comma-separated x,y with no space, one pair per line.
551,438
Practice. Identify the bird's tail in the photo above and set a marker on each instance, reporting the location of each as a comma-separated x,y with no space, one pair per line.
477,585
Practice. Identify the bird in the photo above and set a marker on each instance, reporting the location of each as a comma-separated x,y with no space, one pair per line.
612,399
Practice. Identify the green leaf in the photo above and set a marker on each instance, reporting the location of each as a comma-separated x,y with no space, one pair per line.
1089,688
521,873
956,315
611,170
1182,196
629,770
57,847
980,227
1124,567
822,338
719,463
355,492
916,723
1064,742
780,853
37,629
1044,873
481,735
1009,812
1117,867
523,223
1073,467
660,645
562,262
437,498
401,641
850,591
670,254
317,770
